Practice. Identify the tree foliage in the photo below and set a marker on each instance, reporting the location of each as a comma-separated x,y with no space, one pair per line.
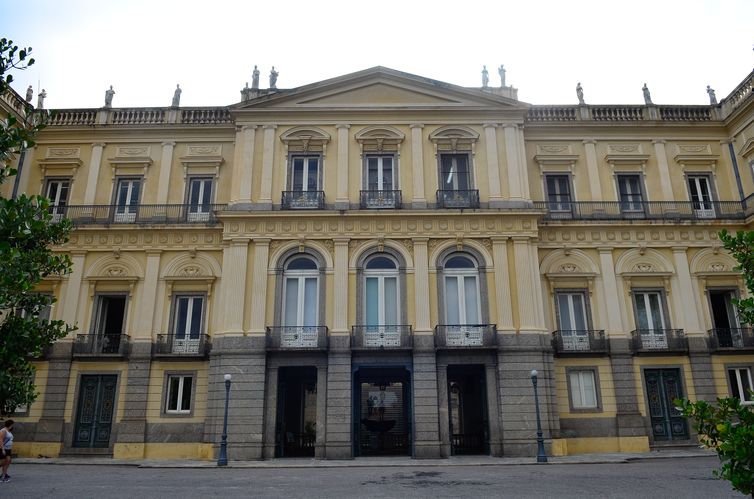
27,232
741,246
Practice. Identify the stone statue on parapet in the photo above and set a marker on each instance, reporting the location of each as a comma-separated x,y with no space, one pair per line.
41,99
254,78
109,97
501,72
29,94
647,97
485,77
177,96
245,92
580,94
712,96
273,78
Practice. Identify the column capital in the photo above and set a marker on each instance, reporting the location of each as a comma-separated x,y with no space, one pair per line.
520,239
341,241
341,126
725,142
679,249
420,240
78,252
239,241
261,241
490,124
499,239
98,144
416,125
658,141
605,249
270,126
168,143
588,141
249,127
153,252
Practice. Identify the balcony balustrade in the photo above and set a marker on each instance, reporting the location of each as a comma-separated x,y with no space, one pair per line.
297,337
642,210
658,340
387,337
465,336
303,200
145,214
458,199
171,345
380,200
579,341
101,345
731,339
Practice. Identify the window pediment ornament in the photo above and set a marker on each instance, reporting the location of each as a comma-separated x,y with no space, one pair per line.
696,155
453,139
626,154
202,159
61,161
556,155
379,139
305,140
130,159
747,149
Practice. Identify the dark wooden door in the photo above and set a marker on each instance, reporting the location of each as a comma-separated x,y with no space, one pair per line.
94,418
663,387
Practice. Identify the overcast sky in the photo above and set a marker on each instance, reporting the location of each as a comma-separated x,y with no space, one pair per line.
144,47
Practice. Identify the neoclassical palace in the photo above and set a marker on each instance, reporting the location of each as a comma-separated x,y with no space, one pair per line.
379,260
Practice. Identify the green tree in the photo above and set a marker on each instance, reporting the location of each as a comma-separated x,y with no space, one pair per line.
728,426
27,233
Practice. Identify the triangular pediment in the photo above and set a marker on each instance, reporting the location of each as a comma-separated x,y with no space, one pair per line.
379,88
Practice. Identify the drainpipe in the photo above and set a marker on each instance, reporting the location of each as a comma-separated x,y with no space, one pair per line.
17,180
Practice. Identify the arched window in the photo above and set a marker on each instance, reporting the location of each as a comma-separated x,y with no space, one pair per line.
461,280
301,292
381,300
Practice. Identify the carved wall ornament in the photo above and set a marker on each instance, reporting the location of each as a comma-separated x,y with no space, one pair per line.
409,244
569,268
718,267
695,148
204,150
190,271
126,151
116,271
623,148
643,267
553,148
63,152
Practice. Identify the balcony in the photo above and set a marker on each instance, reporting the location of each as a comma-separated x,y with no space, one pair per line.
642,210
465,336
170,345
145,214
731,339
388,337
101,345
658,340
380,200
303,200
297,337
579,341
458,199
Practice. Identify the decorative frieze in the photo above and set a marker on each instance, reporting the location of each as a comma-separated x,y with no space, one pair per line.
144,239
552,236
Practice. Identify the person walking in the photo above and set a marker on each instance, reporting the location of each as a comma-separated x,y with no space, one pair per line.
6,438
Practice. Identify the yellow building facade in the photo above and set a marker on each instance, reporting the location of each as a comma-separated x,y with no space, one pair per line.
379,261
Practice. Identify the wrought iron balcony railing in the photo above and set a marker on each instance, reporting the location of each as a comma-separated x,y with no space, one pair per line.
387,337
458,199
380,200
139,214
658,340
642,210
105,345
732,339
182,346
303,200
297,337
579,341
465,336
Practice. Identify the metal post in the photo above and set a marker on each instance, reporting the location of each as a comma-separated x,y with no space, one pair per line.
541,455
222,460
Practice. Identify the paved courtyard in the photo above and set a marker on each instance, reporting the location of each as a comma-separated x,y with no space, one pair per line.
661,478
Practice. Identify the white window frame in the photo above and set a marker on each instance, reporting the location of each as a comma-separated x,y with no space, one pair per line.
454,162
307,165
571,309
739,387
380,172
560,206
179,408
460,275
706,208
630,204
59,204
578,404
126,211
381,275
189,311
661,299
200,211
301,276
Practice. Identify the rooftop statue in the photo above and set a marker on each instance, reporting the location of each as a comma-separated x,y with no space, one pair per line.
712,96
647,97
30,93
177,96
254,78
109,97
580,94
485,77
41,99
501,72
273,78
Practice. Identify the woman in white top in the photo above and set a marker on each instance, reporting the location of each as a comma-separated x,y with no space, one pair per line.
6,447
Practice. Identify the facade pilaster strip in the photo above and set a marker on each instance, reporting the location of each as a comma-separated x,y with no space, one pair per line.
268,158
93,174
166,163
417,165
612,294
341,199
512,160
144,327
421,278
259,286
592,170
233,284
502,285
493,162
340,298
666,186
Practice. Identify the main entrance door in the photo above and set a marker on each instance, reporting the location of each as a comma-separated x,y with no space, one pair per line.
297,412
94,418
467,407
382,414
663,387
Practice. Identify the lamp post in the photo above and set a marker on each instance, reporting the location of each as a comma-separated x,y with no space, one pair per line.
222,460
541,456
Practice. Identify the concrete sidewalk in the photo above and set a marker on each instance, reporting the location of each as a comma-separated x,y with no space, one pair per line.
363,462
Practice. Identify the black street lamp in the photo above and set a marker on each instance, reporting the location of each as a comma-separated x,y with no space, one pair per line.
223,459
541,456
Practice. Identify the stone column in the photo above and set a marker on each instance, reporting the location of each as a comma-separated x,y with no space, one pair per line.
611,296
93,175
51,426
25,170
425,393
527,287
166,163
243,164
271,412
144,324
417,166
233,285
268,158
340,292
321,438
338,432
662,167
421,285
73,287
493,165
259,286
515,170
503,304
523,166
493,409
341,199
592,170
444,411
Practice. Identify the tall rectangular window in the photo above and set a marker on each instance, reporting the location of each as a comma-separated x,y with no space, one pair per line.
701,195
199,198
304,173
740,384
188,316
558,192
127,199
630,193
649,310
380,175
108,323
57,192
179,391
455,172
583,389
571,312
